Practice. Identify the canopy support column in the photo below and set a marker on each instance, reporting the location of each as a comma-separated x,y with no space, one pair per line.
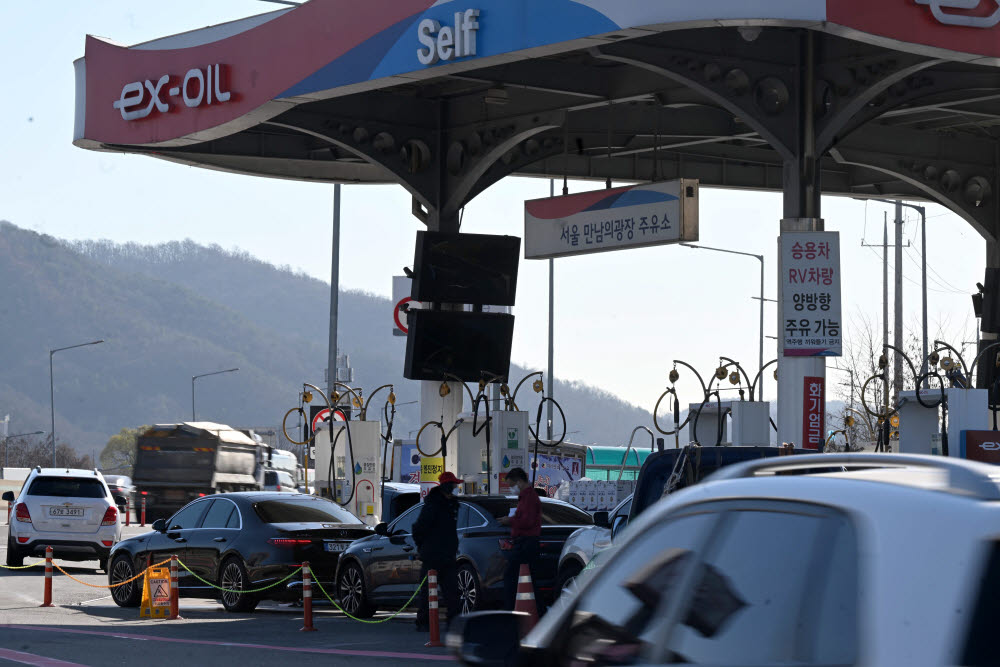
801,188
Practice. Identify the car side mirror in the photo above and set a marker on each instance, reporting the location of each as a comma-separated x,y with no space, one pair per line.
382,528
488,638
8,496
160,525
601,519
120,500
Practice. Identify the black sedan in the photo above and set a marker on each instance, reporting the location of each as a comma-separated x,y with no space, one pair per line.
383,570
241,541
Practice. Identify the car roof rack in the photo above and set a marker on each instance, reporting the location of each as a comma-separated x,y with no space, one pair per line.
964,477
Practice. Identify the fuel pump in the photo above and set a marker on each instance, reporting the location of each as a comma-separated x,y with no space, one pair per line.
349,454
304,397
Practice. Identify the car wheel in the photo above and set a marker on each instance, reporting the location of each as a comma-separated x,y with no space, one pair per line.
468,589
567,575
234,577
125,595
352,593
14,557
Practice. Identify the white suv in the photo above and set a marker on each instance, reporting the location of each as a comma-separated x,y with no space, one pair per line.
842,559
70,510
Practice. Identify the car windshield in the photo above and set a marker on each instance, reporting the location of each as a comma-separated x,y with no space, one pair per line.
303,510
67,487
553,514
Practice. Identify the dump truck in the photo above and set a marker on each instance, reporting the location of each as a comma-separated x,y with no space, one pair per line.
176,463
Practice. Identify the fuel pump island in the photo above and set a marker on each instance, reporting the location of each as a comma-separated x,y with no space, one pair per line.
446,99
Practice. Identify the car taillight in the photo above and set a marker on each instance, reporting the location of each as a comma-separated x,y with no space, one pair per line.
288,542
21,513
107,543
23,540
110,516
506,544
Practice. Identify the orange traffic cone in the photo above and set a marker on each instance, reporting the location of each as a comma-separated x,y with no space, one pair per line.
526,596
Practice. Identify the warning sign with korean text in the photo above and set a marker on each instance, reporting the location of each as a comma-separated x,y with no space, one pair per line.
810,294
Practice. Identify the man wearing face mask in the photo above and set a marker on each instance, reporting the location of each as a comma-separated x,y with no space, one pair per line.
435,533
525,529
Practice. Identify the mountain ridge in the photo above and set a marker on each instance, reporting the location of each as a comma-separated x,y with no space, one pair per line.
174,310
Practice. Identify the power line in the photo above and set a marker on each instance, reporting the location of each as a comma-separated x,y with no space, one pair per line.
914,282
943,284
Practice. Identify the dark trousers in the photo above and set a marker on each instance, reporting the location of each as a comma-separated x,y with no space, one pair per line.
525,550
447,577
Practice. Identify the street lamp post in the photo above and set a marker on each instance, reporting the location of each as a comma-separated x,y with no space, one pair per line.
195,377
760,346
6,444
52,401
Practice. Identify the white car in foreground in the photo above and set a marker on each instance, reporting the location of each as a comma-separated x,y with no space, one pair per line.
843,559
70,510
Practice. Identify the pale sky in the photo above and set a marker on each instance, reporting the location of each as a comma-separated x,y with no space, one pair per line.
621,317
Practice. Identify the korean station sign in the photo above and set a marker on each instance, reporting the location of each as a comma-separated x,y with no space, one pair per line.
813,412
615,219
810,294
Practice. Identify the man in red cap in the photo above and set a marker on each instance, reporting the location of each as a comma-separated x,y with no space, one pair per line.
435,533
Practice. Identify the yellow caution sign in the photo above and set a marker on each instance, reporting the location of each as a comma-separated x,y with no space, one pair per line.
431,468
155,593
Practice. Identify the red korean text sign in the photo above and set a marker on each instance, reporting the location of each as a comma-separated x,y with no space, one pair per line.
813,412
810,294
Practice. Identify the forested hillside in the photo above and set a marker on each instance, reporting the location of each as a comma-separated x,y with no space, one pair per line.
171,311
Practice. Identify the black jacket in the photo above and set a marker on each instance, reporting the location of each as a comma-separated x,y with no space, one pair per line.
436,529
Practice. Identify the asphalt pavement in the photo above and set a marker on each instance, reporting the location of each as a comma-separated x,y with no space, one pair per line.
87,628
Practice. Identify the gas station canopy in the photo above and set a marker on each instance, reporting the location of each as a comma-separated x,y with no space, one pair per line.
896,98
864,98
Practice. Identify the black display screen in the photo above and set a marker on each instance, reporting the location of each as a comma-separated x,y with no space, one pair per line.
466,345
465,268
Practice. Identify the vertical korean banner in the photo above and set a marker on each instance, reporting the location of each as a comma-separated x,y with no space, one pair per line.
810,294
813,412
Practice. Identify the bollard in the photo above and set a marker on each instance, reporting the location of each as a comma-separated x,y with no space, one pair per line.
142,516
307,600
47,601
432,610
128,510
174,594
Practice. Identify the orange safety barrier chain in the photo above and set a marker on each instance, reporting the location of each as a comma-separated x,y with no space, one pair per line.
120,583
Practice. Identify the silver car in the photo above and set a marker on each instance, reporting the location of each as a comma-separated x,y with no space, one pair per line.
584,544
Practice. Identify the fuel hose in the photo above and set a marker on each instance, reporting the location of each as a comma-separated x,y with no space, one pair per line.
349,444
477,429
537,430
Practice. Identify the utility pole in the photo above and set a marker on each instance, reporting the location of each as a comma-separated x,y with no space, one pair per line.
552,300
331,355
897,358
885,302
898,340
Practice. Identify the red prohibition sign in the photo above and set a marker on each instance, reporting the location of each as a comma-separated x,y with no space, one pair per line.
323,414
395,313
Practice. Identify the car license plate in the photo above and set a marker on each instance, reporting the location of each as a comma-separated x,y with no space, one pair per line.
65,511
336,546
